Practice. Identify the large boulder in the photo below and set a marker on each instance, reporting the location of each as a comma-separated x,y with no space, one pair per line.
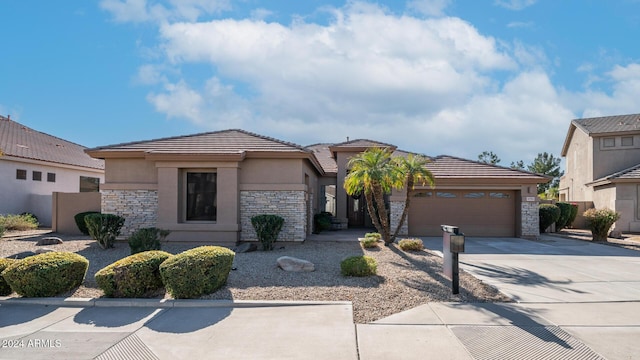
289,263
50,240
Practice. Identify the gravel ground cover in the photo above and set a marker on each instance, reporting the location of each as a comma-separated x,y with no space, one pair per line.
404,280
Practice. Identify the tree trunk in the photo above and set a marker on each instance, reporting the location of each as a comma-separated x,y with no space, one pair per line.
378,196
372,211
405,211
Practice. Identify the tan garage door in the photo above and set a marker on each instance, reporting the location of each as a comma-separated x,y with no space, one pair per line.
475,212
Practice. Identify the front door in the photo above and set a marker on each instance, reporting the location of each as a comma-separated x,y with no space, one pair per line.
355,211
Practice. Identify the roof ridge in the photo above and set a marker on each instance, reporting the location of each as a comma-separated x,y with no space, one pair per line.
488,164
40,132
369,140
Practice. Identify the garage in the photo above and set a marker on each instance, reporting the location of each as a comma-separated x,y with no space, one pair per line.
477,212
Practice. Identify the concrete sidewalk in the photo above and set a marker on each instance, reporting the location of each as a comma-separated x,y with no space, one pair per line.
175,329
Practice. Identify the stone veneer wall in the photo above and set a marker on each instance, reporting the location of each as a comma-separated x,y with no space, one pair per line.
530,219
291,205
138,207
397,207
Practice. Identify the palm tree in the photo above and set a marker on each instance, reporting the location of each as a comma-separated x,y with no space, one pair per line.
373,173
413,171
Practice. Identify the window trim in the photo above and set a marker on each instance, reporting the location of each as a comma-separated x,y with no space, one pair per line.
51,177
626,138
21,174
604,142
36,175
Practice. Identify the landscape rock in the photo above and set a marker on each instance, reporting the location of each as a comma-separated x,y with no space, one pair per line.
245,247
288,263
44,250
51,240
616,234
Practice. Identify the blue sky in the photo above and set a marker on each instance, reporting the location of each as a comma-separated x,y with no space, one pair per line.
431,76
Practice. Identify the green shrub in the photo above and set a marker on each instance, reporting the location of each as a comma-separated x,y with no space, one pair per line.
411,244
373,235
565,214
574,213
358,266
196,272
599,221
1,231
322,221
104,228
46,274
79,219
146,239
267,229
369,242
19,222
134,276
548,214
5,289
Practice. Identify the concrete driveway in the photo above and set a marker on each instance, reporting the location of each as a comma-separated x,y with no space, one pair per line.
553,269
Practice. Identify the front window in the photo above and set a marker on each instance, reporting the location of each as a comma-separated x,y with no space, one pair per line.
89,184
201,196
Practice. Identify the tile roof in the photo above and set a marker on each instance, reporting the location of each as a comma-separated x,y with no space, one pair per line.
445,166
358,143
232,141
632,173
20,141
609,124
325,158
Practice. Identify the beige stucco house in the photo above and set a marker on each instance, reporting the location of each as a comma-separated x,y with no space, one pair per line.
603,166
206,187
35,165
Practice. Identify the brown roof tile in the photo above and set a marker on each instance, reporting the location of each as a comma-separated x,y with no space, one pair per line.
445,166
218,142
23,142
325,158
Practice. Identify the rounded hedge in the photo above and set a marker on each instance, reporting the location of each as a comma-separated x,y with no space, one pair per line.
133,276
196,272
358,266
46,274
565,215
5,289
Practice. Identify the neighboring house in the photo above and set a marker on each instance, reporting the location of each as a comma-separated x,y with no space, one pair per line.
603,166
206,187
33,165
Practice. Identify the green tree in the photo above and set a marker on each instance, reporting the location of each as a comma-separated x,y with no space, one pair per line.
373,173
413,171
489,157
547,164
517,165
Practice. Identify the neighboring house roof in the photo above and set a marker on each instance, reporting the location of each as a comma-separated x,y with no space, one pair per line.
19,141
445,166
231,144
602,126
631,174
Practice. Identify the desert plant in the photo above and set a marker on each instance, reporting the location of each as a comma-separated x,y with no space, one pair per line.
196,272
599,221
46,274
19,222
369,242
267,229
134,276
5,289
146,239
565,214
411,244
358,266
574,213
79,219
1,231
104,228
548,214
322,221
373,235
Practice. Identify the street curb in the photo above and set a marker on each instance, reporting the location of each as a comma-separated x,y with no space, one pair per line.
160,303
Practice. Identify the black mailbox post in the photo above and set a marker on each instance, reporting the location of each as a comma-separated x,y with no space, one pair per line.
452,244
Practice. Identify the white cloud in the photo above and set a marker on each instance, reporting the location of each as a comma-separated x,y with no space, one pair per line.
429,7
261,14
622,99
515,4
520,24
